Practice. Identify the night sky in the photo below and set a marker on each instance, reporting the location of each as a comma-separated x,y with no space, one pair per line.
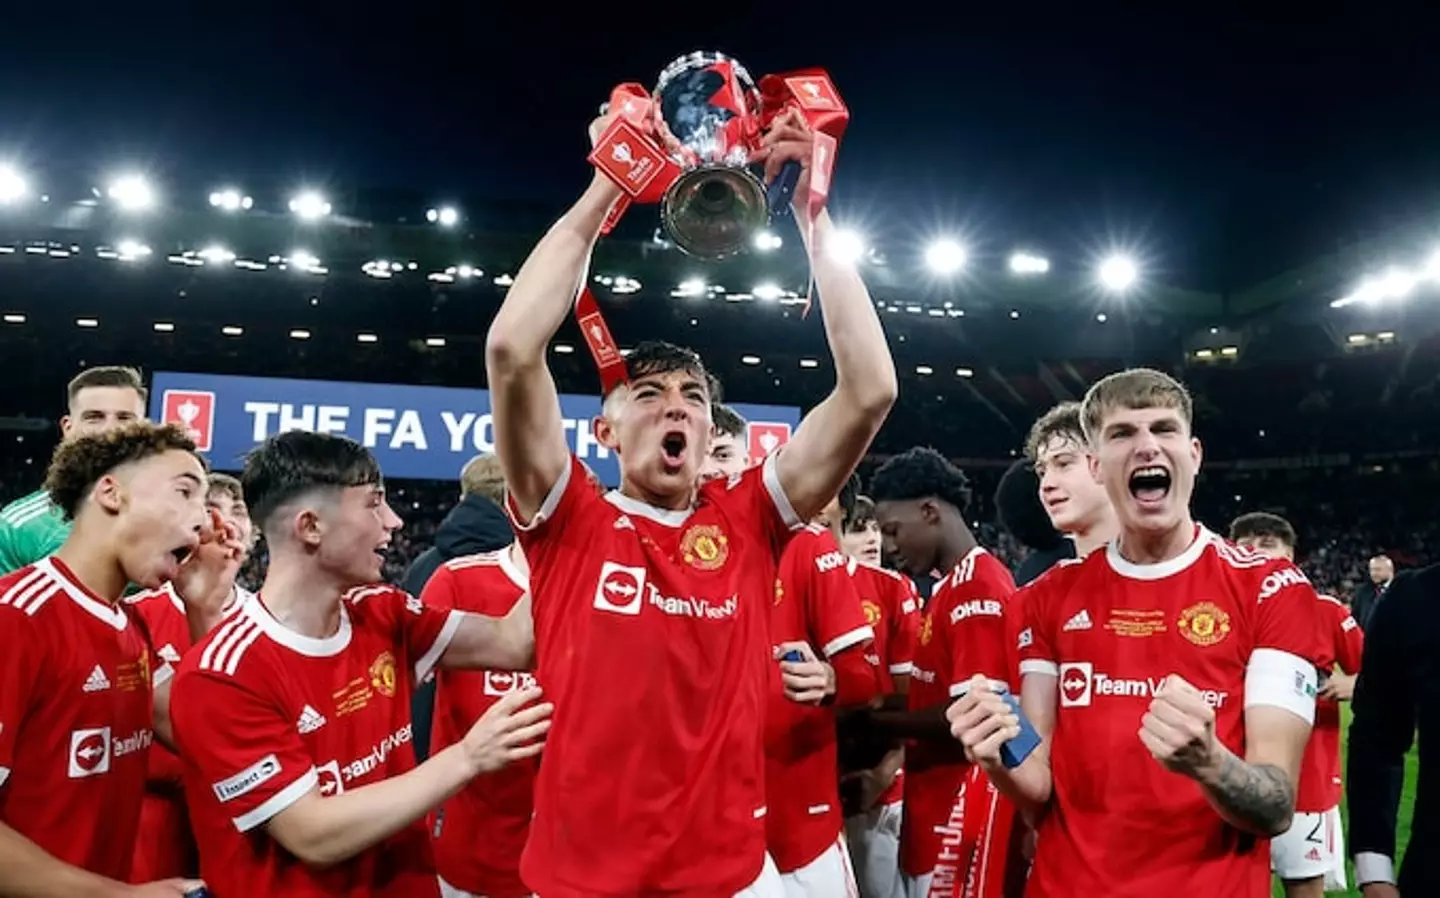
1224,147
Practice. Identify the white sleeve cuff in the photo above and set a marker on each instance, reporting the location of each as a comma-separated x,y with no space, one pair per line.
1371,866
845,641
161,675
1281,680
278,802
432,656
898,669
959,689
1039,666
777,493
4,775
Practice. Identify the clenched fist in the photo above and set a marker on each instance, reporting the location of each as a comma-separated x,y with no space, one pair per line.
1179,728
983,722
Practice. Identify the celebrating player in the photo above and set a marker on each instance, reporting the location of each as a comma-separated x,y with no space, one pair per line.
292,717
816,604
1073,498
100,399
165,846
1310,856
1172,677
956,828
871,759
653,599
76,673
480,832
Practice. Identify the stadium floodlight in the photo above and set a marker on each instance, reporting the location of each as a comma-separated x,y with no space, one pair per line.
445,216
132,193
767,292
765,241
132,250
1118,273
216,255
230,200
309,206
945,256
750,359
1432,268
1026,263
847,245
692,287
13,187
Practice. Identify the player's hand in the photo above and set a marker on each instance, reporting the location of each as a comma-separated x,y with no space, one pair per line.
809,681
789,140
1379,890
165,888
983,722
511,730
207,578
1339,687
866,787
1179,728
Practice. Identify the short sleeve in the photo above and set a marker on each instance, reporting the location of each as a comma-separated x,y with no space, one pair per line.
424,631
439,591
1035,642
904,626
240,748
1349,640
975,629
756,495
832,604
1291,640
9,548
21,656
557,510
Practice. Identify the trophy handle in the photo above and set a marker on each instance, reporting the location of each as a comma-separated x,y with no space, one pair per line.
777,197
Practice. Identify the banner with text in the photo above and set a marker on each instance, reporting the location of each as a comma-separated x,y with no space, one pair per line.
415,432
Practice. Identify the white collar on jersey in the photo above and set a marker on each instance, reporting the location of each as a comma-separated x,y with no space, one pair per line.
663,516
78,594
239,595
1160,569
298,642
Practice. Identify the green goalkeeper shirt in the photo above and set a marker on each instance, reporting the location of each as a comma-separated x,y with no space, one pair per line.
30,529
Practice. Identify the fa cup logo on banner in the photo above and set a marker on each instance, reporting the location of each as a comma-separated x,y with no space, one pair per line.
193,410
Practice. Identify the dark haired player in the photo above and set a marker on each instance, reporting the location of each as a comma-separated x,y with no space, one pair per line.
1171,677
166,846
1309,857
817,612
76,672
860,534
653,599
956,827
292,717
97,400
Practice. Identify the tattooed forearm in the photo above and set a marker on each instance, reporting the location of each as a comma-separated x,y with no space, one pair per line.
1257,798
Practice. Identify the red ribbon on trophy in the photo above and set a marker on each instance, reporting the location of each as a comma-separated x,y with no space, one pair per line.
629,156
813,94
603,350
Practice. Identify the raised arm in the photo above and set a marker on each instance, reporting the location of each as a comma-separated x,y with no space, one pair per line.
497,643
835,435
529,431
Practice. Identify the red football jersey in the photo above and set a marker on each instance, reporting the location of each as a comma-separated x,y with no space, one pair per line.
892,607
815,602
264,715
75,718
1119,823
480,832
1320,783
962,633
165,846
651,632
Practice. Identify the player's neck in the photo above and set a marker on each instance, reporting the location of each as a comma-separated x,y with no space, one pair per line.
680,501
89,558
302,598
955,545
1095,536
1154,548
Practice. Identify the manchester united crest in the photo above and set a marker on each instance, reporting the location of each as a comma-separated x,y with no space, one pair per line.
872,612
926,629
704,547
1204,623
382,674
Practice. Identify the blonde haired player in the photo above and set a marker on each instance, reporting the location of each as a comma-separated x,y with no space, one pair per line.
1171,677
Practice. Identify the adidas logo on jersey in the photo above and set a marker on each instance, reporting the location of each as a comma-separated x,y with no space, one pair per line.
1313,855
310,721
169,654
624,523
1081,621
97,681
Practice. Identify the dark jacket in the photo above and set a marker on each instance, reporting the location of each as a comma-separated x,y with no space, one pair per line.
1366,599
475,525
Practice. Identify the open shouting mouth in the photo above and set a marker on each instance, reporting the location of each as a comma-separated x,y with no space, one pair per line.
1150,485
